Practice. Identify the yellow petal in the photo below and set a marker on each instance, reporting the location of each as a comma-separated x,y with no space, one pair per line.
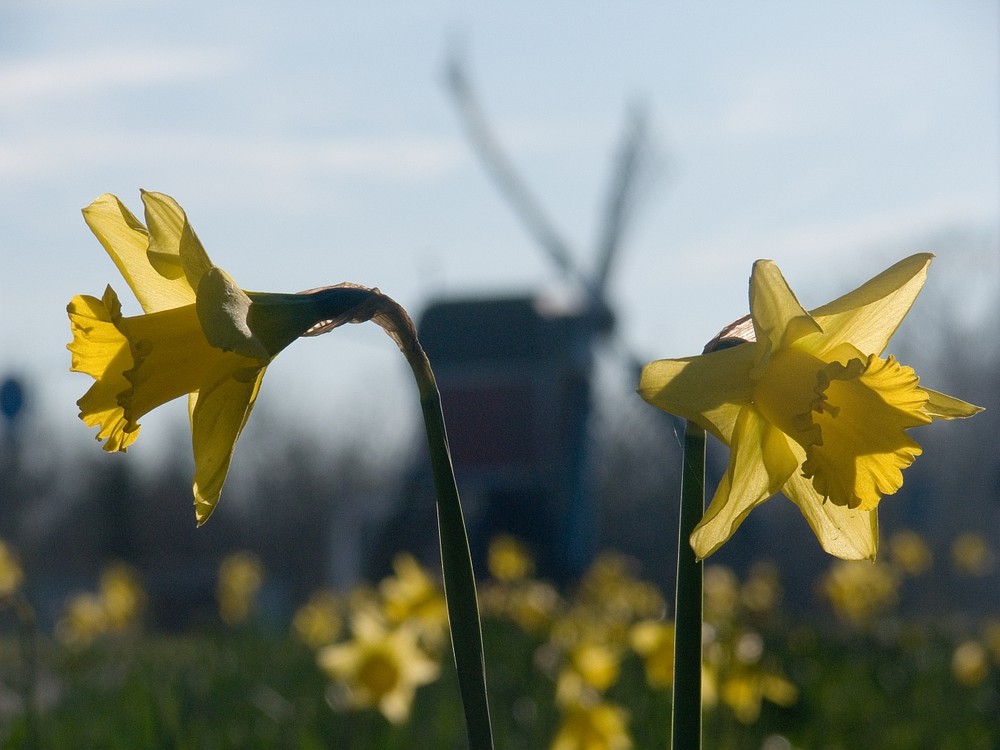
174,249
785,393
100,350
760,462
778,318
171,356
851,534
942,406
868,316
862,420
219,415
97,345
126,241
709,389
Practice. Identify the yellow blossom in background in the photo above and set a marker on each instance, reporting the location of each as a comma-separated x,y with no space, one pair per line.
761,592
611,591
318,622
122,596
859,591
84,619
910,553
116,608
11,574
653,640
970,663
200,336
413,596
241,575
709,685
591,668
721,594
589,639
508,559
744,693
971,554
602,726
381,667
532,605
808,407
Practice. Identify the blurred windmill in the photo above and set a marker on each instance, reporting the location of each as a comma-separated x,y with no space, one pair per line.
515,373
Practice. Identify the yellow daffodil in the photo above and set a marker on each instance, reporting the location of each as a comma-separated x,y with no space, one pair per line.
762,591
11,574
653,640
508,559
971,554
970,663
317,622
241,576
808,407
910,553
83,621
413,596
122,596
859,592
200,336
380,667
602,726
591,668
744,693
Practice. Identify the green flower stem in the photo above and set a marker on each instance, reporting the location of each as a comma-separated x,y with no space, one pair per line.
686,709
456,563
456,560
349,303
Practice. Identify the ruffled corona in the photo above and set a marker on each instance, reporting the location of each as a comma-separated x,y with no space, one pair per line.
809,408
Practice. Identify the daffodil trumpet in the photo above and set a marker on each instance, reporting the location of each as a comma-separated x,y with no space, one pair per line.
808,406
203,336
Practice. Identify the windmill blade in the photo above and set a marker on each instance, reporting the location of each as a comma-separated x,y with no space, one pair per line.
635,166
501,169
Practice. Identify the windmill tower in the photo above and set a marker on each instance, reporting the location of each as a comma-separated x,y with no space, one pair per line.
515,373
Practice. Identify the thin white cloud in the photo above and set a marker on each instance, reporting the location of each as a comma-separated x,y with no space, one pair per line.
45,79
857,235
400,156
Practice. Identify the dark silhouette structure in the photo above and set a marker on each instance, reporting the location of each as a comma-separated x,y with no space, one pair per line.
515,373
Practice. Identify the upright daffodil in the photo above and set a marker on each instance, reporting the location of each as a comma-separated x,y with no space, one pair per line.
381,666
808,407
200,336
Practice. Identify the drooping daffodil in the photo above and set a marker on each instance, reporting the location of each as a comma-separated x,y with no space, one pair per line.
808,406
200,335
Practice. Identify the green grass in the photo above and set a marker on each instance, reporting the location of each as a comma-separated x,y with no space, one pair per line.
252,689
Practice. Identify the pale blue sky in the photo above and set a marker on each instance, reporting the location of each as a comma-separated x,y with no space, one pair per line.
313,143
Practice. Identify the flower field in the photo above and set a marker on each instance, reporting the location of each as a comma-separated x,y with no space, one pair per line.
588,667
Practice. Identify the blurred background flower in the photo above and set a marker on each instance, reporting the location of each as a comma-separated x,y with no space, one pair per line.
11,574
380,666
241,575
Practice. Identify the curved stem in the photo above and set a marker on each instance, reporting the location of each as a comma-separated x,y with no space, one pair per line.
686,728
350,303
456,563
